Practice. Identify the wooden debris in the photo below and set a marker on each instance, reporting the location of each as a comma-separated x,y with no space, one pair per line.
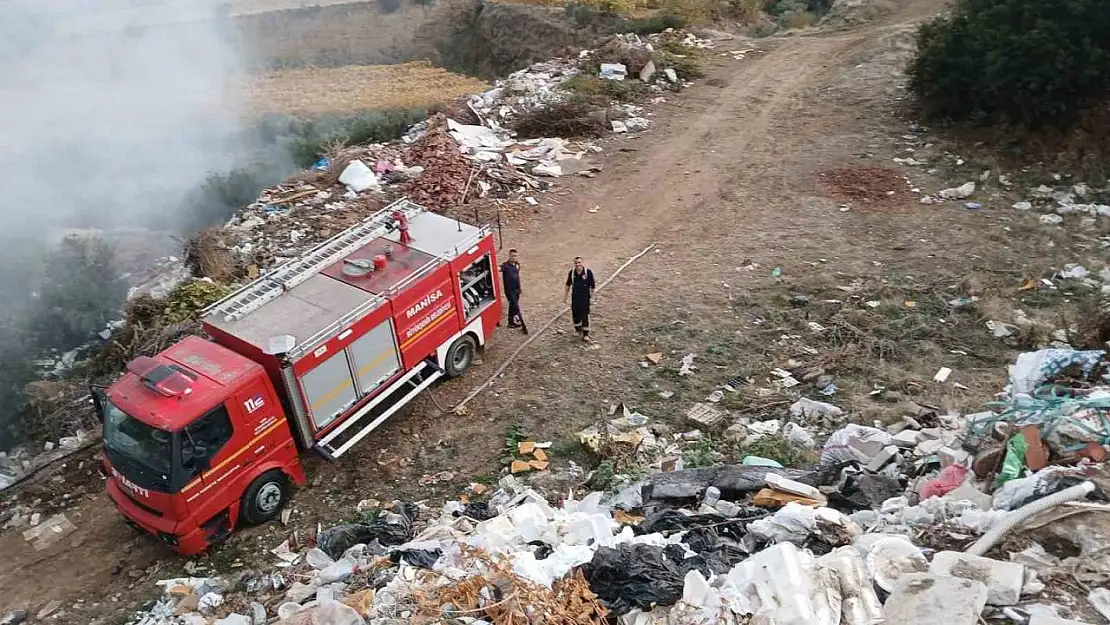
771,498
624,518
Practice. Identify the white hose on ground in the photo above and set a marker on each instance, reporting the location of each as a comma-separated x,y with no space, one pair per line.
1015,518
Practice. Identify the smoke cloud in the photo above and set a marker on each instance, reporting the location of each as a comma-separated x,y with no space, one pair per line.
112,110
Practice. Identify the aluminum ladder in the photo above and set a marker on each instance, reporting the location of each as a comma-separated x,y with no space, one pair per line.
288,275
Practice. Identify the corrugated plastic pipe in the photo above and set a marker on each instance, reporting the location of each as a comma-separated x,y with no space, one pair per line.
1019,516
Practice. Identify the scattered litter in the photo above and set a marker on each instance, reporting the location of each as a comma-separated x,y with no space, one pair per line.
687,367
613,71
961,192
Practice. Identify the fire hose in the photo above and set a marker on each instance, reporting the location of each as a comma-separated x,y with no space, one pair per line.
1024,513
505,365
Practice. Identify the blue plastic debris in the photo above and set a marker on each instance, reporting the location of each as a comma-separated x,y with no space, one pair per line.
322,164
973,205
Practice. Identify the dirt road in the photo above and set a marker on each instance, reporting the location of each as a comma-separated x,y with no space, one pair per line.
728,184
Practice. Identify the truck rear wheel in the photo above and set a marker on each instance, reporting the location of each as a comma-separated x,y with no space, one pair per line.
460,356
265,497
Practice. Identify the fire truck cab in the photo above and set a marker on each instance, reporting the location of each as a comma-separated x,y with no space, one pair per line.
315,354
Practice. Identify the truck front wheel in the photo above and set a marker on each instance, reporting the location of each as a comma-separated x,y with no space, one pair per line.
460,356
265,497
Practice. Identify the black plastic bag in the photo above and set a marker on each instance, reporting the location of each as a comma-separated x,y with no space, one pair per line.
388,530
542,550
667,522
642,576
864,491
420,558
478,510
634,576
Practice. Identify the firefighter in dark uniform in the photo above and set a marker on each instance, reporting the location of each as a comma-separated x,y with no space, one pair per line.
510,278
580,287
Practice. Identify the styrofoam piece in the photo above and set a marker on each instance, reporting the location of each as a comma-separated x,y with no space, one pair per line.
496,535
891,557
696,589
527,566
782,581
1004,580
590,504
930,599
566,557
859,605
590,529
528,521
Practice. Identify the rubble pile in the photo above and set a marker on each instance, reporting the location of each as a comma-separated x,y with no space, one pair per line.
449,159
893,524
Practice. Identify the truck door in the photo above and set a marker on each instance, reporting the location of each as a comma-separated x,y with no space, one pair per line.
262,435
209,456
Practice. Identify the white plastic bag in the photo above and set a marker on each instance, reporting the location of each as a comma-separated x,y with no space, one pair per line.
358,177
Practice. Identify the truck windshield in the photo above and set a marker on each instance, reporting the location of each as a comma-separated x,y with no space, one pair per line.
144,454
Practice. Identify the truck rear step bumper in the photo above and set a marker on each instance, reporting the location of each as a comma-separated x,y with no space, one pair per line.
421,377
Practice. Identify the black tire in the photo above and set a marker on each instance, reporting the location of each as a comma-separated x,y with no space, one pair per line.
460,356
265,498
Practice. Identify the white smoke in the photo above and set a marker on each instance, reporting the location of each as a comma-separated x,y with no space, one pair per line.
111,110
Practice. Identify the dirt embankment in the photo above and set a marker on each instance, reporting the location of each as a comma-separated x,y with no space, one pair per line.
469,36
502,38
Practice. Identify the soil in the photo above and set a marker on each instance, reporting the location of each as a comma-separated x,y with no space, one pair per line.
751,250
355,88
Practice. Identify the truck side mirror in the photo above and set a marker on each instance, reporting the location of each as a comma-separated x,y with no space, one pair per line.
99,397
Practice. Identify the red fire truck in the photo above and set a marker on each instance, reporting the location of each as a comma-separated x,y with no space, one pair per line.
315,354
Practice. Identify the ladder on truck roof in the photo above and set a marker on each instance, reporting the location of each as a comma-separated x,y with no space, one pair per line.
288,275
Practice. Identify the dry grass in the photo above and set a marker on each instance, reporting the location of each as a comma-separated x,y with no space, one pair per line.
356,88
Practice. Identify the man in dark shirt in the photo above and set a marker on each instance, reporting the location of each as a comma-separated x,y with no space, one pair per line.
580,287
510,278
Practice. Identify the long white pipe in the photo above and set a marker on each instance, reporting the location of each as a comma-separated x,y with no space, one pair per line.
1015,518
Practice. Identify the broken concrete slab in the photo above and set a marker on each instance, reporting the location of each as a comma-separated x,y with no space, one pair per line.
881,459
930,599
907,438
1003,580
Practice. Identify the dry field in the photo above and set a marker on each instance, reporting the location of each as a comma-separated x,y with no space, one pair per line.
313,91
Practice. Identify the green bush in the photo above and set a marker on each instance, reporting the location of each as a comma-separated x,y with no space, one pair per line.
653,24
81,292
1029,62
309,140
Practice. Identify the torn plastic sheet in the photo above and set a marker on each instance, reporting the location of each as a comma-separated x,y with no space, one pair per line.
800,525
853,443
1031,369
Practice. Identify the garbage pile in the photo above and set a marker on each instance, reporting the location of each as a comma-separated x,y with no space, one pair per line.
893,524
468,153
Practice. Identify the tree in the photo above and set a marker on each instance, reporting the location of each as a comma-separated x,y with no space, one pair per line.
1029,62
81,291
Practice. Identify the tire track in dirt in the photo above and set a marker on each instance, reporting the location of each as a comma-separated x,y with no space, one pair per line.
719,176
